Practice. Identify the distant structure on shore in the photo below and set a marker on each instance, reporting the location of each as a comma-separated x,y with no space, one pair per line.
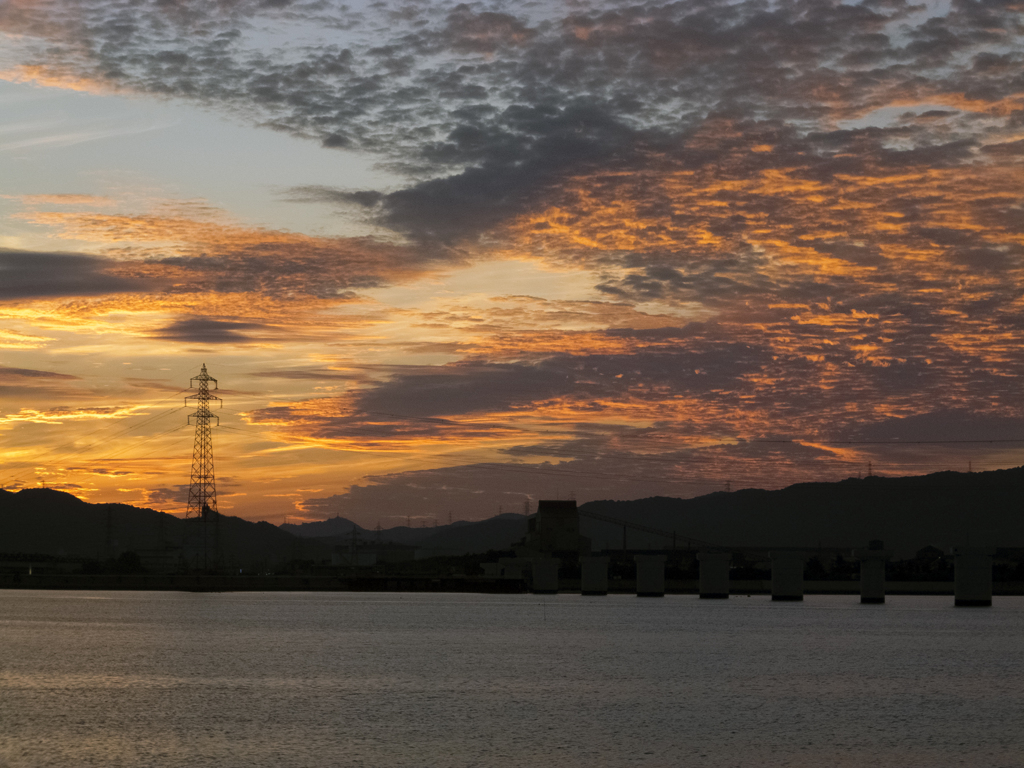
553,543
201,513
553,529
944,533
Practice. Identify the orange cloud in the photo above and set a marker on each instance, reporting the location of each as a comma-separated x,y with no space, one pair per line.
14,340
48,77
62,415
231,257
66,199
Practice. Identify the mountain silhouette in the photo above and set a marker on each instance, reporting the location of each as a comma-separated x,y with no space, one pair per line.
461,537
908,513
944,509
49,522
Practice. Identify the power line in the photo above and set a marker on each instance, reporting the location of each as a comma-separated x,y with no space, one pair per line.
113,456
57,453
102,427
141,442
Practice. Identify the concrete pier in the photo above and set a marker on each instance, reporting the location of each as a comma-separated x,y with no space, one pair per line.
872,571
714,575
788,574
650,575
545,575
972,576
594,575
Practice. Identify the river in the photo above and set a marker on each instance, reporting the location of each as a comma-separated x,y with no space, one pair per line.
169,679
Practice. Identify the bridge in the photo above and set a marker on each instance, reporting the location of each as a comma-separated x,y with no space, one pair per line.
972,568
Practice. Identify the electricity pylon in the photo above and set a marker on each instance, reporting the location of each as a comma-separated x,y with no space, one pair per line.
202,493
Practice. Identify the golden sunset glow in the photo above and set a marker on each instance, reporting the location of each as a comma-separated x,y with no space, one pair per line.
650,268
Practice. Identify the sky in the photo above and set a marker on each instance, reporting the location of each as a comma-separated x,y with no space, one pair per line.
447,259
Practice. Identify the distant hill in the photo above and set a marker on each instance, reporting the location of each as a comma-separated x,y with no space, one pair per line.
44,521
499,532
319,529
907,513
942,509
459,538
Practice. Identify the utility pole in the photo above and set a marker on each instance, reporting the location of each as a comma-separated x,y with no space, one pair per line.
202,493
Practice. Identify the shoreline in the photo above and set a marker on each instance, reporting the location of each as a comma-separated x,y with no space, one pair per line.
472,584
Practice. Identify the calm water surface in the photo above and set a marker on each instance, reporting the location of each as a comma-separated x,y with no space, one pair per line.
269,679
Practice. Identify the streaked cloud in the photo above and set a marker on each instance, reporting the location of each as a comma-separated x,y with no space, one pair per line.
63,415
14,374
64,199
44,76
32,275
196,245
202,330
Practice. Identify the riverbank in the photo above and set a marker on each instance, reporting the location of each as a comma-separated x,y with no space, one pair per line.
286,583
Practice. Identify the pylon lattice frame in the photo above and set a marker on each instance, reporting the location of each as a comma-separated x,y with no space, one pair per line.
202,493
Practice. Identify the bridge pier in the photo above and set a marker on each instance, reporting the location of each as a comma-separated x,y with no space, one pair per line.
972,576
650,575
872,572
788,574
545,575
594,575
714,575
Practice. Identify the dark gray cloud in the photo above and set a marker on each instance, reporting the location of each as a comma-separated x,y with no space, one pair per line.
182,249
510,168
1005,149
39,275
942,425
318,374
497,105
10,374
286,264
204,330
27,383
433,403
787,371
467,389
725,158
174,497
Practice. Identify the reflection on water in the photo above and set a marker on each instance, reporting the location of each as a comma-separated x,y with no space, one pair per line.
270,679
